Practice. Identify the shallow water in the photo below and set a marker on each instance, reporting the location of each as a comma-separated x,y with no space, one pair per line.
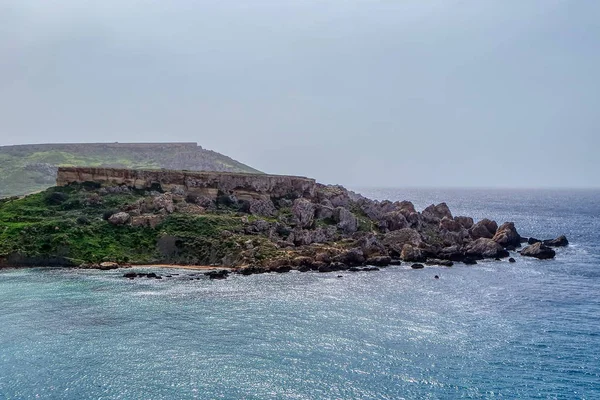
494,330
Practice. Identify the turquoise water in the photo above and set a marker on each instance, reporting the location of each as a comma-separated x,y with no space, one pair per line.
495,330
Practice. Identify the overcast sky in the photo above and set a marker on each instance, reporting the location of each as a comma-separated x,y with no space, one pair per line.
364,93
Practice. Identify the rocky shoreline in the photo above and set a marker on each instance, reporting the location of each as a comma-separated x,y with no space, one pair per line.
251,228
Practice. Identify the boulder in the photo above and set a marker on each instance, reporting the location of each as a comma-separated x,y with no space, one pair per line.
351,257
417,266
304,212
379,261
263,207
558,242
484,229
324,212
485,248
506,235
450,225
411,253
465,222
538,250
163,203
218,274
533,240
435,213
396,240
394,221
370,245
452,253
512,260
469,261
120,218
130,275
346,221
435,261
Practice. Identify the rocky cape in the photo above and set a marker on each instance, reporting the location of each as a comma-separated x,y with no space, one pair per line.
248,223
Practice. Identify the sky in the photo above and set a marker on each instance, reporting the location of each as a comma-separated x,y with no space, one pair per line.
389,93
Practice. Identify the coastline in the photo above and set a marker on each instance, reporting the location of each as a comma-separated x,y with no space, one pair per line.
178,266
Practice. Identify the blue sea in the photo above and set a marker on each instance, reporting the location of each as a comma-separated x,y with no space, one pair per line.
528,330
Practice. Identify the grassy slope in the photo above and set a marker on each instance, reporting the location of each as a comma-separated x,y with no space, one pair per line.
16,178
58,222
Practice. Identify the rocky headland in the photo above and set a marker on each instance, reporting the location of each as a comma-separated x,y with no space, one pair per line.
106,217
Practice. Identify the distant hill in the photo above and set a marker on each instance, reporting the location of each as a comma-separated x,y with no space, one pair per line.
30,168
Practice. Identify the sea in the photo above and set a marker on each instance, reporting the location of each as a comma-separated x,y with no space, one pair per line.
495,330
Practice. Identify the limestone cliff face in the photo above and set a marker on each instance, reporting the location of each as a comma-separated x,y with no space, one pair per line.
209,184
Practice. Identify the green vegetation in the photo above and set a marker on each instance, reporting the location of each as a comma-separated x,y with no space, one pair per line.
31,168
70,223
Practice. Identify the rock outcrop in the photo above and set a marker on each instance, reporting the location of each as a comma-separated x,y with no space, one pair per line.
207,184
538,250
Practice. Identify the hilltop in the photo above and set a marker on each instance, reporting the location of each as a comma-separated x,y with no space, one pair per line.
31,168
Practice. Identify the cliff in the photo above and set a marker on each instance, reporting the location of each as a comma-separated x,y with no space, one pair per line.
29,168
207,184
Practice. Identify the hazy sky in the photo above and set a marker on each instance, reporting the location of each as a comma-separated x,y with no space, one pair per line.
363,93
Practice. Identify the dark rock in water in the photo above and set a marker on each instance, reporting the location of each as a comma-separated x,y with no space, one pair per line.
351,257
151,275
304,268
354,269
452,253
558,242
436,277
130,275
510,247
512,260
532,240
496,259
325,268
340,276
395,262
507,235
485,248
417,266
435,261
218,274
379,261
412,253
158,277
469,261
538,250
367,269
338,266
